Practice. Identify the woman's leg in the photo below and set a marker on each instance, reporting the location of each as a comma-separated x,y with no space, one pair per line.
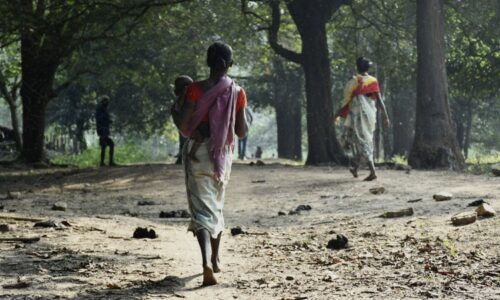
353,168
203,237
215,243
372,175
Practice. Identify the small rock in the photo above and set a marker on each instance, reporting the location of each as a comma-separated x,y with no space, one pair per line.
146,203
62,206
485,211
13,195
303,207
495,169
181,213
281,213
4,228
377,190
142,233
237,230
289,278
442,196
260,163
464,218
340,242
477,203
66,223
48,224
1,207
399,213
294,212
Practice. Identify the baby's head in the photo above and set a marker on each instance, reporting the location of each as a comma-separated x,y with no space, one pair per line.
181,83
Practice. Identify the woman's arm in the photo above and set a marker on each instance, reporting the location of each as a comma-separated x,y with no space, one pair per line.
241,125
186,114
381,105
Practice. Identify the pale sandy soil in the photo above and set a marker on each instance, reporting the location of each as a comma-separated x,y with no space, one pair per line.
282,257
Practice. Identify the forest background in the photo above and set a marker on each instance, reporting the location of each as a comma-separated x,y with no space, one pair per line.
133,50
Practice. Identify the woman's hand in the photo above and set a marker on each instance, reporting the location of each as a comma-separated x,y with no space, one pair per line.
387,123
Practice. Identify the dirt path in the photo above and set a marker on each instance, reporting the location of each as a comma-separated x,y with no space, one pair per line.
282,257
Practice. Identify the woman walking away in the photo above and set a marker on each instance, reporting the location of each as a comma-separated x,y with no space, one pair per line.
215,110
359,109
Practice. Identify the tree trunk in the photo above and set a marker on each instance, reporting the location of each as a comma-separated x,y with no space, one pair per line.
402,129
322,140
289,125
80,134
468,129
287,90
38,71
311,17
15,124
435,144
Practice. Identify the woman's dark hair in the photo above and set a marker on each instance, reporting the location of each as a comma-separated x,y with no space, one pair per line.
363,64
219,56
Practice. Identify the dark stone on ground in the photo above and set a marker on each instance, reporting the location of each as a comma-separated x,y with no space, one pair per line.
1,207
181,213
495,169
260,163
143,233
293,212
340,242
237,230
377,190
303,207
399,213
146,202
281,213
61,206
48,224
477,202
4,228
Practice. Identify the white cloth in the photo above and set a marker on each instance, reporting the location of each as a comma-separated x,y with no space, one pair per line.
205,195
359,127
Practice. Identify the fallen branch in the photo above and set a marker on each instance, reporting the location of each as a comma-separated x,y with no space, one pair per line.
17,218
21,239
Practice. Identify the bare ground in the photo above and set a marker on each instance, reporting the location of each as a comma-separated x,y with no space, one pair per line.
281,257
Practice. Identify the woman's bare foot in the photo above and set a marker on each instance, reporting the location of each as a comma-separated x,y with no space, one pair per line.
208,276
216,266
354,172
370,177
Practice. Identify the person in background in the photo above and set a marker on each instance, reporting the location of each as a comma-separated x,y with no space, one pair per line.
103,124
180,86
258,152
361,99
242,143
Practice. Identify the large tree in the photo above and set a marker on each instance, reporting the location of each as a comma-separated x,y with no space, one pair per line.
49,32
435,144
310,17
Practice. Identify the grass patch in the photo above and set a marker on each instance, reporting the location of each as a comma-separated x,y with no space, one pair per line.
124,154
450,247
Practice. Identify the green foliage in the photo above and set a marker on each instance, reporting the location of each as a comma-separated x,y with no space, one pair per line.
399,159
450,247
480,160
128,153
